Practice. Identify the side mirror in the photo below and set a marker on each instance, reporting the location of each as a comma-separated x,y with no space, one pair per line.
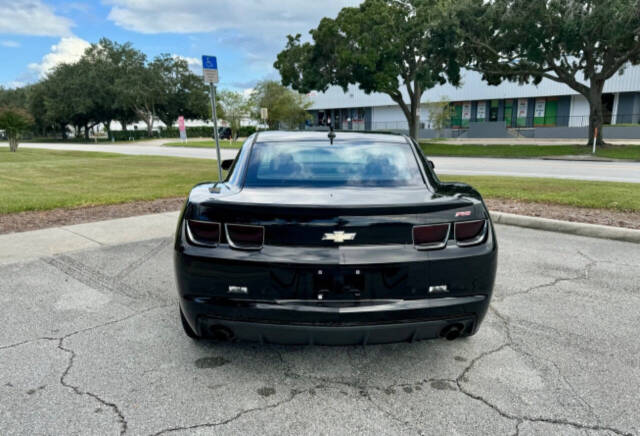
431,164
226,164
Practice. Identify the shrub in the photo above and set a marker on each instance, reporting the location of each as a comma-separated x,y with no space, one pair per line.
14,122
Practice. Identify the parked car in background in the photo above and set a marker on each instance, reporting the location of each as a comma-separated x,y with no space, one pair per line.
224,132
347,241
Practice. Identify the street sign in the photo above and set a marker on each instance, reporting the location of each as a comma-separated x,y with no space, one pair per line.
264,113
210,69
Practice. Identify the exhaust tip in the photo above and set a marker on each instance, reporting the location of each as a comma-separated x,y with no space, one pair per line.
452,331
221,333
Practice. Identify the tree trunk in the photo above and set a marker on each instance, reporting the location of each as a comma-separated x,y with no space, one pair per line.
86,132
123,125
414,122
13,143
149,123
596,112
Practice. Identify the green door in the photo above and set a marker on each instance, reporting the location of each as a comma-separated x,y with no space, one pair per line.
508,112
551,113
456,116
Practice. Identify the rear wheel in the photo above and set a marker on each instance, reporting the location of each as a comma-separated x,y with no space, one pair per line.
186,327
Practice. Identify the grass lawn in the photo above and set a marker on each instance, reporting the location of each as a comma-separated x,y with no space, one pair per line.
33,179
580,193
631,152
205,144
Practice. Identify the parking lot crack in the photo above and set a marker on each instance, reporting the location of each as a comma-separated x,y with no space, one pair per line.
72,357
111,405
28,341
583,275
294,393
463,378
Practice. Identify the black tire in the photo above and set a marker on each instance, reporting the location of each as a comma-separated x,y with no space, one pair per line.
186,327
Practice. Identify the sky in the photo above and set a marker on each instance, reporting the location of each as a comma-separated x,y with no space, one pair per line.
245,35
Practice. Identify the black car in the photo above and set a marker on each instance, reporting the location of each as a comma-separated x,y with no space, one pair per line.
224,133
351,241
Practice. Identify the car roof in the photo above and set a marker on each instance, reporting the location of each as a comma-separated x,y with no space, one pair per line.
301,135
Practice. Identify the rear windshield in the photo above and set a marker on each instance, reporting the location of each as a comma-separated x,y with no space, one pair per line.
320,164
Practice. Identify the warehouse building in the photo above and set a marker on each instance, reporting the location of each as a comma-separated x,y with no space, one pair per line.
509,105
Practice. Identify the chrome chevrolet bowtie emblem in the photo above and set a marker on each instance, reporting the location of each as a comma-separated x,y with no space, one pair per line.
338,236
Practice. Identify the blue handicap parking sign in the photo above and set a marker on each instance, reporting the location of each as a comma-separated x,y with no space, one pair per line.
209,62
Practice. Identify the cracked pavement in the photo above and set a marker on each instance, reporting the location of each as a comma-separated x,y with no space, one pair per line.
91,344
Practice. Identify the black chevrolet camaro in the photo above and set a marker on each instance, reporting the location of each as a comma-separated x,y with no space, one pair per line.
350,241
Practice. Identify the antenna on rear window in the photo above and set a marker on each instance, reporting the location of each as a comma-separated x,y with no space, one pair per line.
332,134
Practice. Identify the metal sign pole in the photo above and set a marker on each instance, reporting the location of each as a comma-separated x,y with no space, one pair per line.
215,128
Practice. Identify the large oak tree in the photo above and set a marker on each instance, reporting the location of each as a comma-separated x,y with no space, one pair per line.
580,43
397,47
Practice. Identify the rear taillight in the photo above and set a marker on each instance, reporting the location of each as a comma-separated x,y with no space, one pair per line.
431,237
203,233
245,237
470,232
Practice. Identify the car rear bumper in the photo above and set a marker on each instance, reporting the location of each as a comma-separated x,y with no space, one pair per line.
334,322
288,334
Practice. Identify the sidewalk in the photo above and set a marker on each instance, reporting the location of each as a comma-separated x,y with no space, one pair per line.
25,246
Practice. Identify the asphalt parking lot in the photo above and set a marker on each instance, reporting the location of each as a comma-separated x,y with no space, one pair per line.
91,344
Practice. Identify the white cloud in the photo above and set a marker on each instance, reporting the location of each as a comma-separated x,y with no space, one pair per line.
194,16
32,17
247,92
9,43
257,27
15,84
68,50
194,63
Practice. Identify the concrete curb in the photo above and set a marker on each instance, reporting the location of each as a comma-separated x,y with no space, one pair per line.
581,229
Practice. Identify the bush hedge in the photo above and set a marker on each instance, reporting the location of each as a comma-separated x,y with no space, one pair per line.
172,132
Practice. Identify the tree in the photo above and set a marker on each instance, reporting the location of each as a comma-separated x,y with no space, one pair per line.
284,106
580,43
439,114
110,65
14,121
382,45
182,92
235,108
14,97
68,99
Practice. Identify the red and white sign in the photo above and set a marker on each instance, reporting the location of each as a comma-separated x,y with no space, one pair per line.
182,128
466,110
523,106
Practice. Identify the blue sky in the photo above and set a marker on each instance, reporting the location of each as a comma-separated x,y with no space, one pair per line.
246,35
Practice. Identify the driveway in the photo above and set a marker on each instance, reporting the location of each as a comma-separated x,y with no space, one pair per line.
91,344
603,171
